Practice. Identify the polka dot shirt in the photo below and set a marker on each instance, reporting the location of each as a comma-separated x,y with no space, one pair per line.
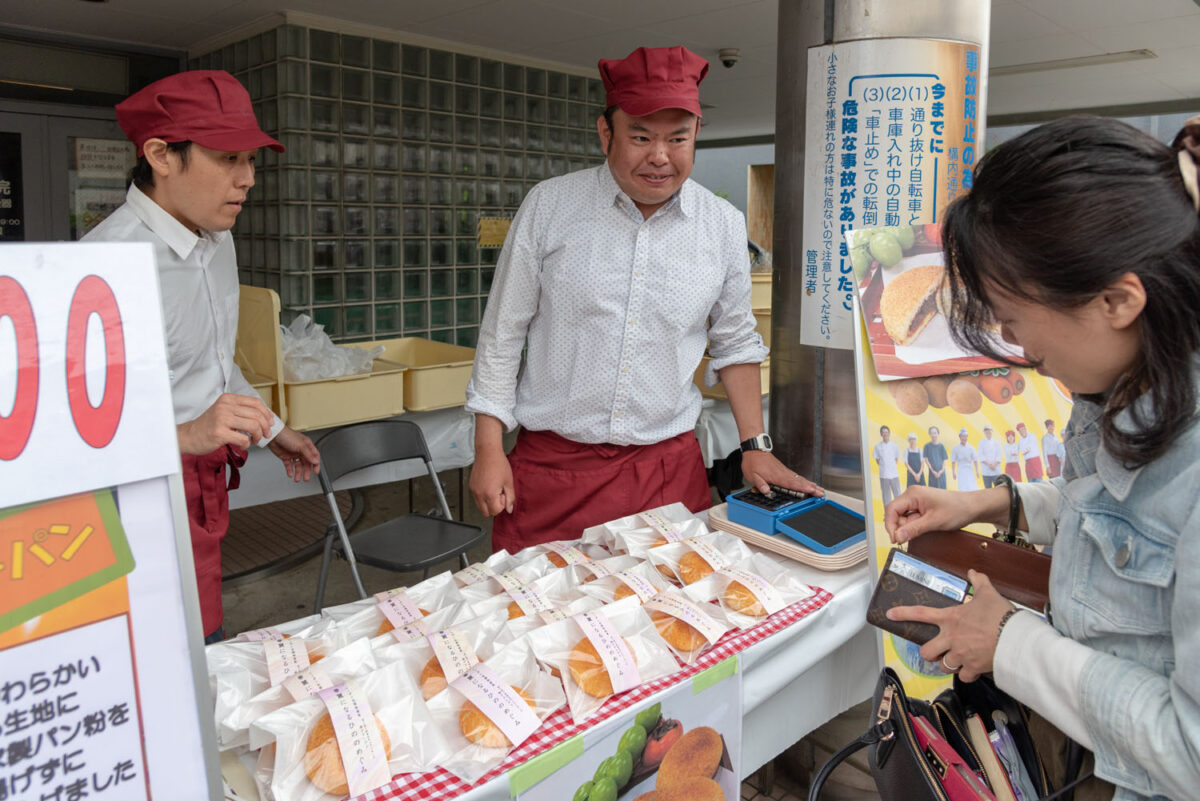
615,311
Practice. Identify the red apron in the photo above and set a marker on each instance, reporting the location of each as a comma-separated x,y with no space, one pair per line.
1013,470
1053,466
1033,468
207,496
562,487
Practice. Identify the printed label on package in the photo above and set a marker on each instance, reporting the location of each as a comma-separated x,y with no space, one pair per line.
597,569
683,609
570,554
307,682
399,609
659,522
258,635
358,738
474,574
709,553
767,595
453,651
498,702
284,658
643,588
614,651
553,615
510,581
410,631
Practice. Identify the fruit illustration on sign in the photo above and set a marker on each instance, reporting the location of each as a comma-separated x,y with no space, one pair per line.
659,741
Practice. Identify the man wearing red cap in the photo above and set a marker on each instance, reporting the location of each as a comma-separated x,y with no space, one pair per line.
613,279
196,138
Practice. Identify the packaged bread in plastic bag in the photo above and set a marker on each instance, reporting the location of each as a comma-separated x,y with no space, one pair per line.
605,534
563,553
517,628
498,562
444,654
541,596
429,596
281,631
603,653
519,572
492,708
689,626
355,659
238,671
351,738
640,580
752,589
692,559
587,572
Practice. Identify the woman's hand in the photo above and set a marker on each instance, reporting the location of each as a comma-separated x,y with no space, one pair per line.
920,509
967,633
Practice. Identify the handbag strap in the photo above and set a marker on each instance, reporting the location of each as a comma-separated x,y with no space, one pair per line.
880,731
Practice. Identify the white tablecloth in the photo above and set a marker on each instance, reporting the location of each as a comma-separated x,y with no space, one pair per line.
449,434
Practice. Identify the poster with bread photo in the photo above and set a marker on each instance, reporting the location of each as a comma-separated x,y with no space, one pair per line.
685,745
905,296
957,432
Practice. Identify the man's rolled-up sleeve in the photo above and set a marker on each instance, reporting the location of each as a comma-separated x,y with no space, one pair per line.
731,335
511,304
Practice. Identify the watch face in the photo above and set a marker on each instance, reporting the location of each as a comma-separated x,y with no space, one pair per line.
766,442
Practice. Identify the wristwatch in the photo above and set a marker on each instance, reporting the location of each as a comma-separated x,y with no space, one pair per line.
760,443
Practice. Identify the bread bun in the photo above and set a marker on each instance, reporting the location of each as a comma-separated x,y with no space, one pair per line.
739,598
963,396
623,590
433,678
696,754
588,671
658,542
515,611
693,567
323,758
909,302
935,388
680,635
667,574
387,626
478,727
694,788
650,796
910,396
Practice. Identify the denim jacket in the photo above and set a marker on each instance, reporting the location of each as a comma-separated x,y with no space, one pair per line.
1125,581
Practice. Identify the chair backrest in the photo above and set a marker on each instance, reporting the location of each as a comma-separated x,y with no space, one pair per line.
354,447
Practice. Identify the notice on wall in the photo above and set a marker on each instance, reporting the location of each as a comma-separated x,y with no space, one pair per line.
493,231
103,158
894,129
98,696
12,210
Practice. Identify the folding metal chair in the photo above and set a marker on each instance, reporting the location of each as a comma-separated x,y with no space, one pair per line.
406,543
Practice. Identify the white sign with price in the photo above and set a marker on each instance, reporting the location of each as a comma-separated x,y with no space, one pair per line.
83,325
86,424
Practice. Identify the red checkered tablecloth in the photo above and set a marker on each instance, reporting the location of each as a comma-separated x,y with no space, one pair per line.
441,784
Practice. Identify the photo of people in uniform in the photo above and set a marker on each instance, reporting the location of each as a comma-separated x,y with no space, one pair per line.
887,456
991,457
964,464
935,459
914,462
1054,451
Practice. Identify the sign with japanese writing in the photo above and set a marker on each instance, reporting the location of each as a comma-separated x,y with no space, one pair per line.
104,158
493,231
12,212
894,129
98,695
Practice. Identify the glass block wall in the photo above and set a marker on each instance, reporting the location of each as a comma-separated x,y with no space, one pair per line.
368,222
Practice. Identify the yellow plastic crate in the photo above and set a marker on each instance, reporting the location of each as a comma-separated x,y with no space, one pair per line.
760,291
719,390
258,350
346,399
437,371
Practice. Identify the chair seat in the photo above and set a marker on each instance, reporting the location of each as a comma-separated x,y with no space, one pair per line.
413,542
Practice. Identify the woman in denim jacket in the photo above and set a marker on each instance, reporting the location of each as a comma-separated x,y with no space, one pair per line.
1081,240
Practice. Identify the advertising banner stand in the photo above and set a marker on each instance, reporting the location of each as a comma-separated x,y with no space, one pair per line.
102,676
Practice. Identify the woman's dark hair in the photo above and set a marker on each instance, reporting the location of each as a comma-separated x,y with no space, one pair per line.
1056,216
142,176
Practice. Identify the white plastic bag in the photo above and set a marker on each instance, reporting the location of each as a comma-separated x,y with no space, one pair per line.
752,589
688,626
563,553
692,559
604,668
356,659
413,743
430,595
640,580
498,562
605,533
518,628
476,746
309,354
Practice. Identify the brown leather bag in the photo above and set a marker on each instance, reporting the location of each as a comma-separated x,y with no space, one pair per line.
1018,573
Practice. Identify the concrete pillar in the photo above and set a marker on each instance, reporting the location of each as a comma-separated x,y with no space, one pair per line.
814,409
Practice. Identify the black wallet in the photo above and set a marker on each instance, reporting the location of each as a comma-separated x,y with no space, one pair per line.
894,590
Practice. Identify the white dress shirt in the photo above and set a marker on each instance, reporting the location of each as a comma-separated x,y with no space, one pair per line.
1029,446
886,453
1052,446
198,284
615,310
990,450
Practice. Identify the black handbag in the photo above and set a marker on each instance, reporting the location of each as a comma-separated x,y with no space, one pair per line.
903,771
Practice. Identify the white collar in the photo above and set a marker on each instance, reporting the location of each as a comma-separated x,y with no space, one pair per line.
170,230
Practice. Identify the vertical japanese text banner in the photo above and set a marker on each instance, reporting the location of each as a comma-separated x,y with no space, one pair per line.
895,127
